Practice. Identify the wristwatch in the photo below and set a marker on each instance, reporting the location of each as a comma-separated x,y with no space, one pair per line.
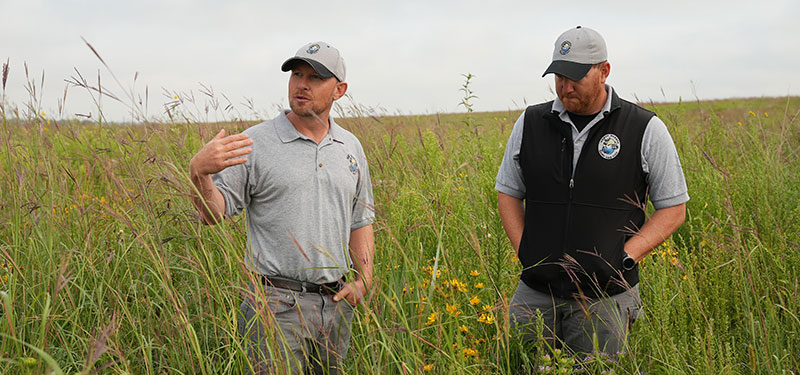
628,262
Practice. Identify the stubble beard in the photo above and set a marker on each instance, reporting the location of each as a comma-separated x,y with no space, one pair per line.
585,102
309,111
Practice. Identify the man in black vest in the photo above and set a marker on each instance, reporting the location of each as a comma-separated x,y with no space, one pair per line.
572,191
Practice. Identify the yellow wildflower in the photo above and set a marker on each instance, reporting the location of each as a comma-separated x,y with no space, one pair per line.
474,273
486,318
463,329
432,318
474,301
479,286
428,367
452,309
469,352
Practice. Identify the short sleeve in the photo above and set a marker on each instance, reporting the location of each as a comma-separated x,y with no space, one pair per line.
509,178
232,182
663,167
363,203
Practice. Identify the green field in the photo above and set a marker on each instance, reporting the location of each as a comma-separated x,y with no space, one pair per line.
107,269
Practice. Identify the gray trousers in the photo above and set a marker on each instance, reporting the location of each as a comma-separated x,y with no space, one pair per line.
291,332
600,324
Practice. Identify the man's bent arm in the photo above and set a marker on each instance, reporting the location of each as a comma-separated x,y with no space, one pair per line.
362,252
655,230
208,200
512,214
219,153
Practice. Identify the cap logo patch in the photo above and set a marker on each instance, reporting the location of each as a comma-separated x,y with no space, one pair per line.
313,49
565,47
608,147
353,164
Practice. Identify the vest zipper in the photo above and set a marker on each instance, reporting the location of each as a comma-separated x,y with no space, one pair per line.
569,201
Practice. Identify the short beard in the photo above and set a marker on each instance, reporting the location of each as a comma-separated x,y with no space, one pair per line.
308,113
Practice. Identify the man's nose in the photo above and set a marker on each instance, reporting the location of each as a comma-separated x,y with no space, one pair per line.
566,86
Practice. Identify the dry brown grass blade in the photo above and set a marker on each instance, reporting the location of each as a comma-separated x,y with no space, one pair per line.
712,161
299,247
99,339
14,265
94,51
5,74
64,274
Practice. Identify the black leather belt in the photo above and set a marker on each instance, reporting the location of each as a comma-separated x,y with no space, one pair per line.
302,286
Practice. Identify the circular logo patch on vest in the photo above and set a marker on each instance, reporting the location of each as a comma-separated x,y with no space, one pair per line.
608,147
565,47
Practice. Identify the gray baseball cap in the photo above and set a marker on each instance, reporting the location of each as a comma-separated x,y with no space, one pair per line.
323,57
576,51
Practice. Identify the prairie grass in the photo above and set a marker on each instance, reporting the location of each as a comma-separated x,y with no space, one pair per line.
107,269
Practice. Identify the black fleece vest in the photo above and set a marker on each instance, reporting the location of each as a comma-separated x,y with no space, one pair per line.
576,224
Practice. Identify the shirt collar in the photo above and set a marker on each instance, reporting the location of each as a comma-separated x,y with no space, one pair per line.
288,133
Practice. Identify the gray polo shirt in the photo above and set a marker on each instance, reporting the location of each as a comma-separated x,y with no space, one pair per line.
667,186
302,200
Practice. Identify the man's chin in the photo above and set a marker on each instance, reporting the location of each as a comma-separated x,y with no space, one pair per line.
301,111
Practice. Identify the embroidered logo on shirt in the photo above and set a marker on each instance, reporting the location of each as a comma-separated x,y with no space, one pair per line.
565,47
313,49
608,147
353,164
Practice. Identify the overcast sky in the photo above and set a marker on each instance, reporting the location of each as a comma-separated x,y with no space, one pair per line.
402,56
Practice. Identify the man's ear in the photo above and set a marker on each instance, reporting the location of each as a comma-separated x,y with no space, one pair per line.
339,90
605,70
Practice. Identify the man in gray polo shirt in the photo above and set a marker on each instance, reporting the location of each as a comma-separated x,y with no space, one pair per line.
305,185
572,191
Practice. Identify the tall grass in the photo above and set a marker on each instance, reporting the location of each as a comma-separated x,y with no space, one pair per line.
107,269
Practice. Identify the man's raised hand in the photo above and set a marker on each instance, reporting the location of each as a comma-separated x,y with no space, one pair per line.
220,153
